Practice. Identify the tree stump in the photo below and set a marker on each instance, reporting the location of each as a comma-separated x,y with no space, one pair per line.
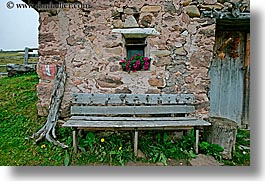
222,132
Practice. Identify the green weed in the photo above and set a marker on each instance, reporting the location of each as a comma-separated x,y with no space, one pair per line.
211,149
165,148
113,149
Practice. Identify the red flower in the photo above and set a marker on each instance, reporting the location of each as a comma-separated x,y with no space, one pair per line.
145,58
135,63
146,67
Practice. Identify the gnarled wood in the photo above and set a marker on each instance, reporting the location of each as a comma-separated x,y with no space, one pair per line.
48,130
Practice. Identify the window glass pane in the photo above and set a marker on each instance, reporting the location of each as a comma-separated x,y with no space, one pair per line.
132,50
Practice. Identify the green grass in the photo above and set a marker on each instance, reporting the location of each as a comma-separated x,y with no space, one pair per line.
19,120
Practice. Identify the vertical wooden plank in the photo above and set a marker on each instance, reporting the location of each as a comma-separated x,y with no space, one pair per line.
219,87
135,142
214,90
240,78
233,91
74,141
245,117
230,96
224,91
197,140
247,52
215,77
226,76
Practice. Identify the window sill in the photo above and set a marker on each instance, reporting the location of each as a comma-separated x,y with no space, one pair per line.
136,32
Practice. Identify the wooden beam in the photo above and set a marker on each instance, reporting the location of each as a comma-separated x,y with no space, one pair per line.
102,118
74,141
134,124
135,142
245,116
124,110
247,57
139,129
132,99
233,25
197,140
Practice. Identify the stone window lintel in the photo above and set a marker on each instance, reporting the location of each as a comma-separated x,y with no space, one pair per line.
136,32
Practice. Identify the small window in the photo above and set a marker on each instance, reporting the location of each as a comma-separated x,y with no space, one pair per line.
132,50
135,46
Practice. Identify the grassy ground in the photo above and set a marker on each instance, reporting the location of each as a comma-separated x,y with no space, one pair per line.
19,120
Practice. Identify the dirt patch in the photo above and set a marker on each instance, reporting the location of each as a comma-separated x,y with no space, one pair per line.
204,160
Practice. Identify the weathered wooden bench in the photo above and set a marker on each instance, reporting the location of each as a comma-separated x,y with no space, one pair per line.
133,112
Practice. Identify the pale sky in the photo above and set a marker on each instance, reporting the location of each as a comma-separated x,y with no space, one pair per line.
18,27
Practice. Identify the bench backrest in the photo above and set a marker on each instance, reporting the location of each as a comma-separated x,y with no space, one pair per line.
131,104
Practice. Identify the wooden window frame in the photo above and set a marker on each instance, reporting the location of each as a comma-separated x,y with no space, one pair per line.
135,44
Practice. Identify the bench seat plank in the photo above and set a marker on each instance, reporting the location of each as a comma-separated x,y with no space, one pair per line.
133,124
103,118
166,109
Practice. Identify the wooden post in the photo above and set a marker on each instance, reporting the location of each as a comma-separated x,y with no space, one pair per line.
74,141
135,142
26,55
245,116
197,131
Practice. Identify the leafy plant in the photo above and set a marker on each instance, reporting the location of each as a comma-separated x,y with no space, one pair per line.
165,148
135,63
89,142
243,137
113,149
211,149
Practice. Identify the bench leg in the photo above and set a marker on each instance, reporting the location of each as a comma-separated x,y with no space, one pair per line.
135,142
74,141
196,140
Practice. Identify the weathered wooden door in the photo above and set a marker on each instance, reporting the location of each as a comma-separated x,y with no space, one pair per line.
228,76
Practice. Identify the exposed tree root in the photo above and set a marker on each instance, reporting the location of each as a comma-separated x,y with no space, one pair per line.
48,130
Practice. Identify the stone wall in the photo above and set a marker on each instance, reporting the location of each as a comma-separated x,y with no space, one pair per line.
83,38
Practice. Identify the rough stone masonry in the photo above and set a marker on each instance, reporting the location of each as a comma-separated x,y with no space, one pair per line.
83,38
